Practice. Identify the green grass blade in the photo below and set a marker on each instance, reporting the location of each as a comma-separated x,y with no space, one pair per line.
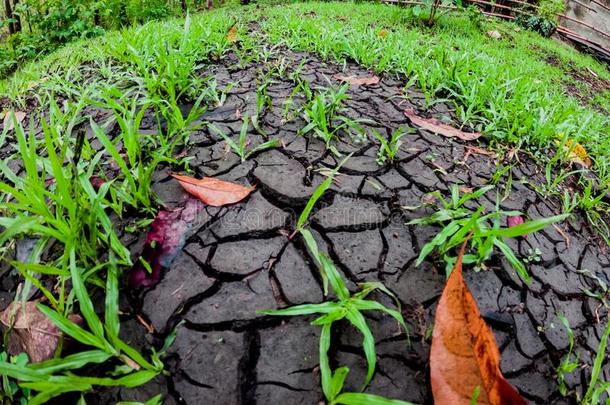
21,373
355,398
334,278
84,301
71,362
273,143
325,371
313,249
597,366
368,305
72,329
368,342
111,311
513,260
318,192
438,240
304,309
336,383
528,227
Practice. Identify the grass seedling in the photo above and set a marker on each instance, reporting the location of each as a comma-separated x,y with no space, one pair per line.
569,362
263,104
598,387
458,222
325,119
350,307
213,95
389,148
54,377
347,306
595,209
70,216
240,148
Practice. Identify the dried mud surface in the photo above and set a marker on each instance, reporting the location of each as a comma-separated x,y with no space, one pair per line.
239,259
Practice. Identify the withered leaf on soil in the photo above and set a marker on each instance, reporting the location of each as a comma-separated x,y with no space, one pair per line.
8,123
464,354
434,125
358,81
163,243
578,154
31,331
212,191
232,34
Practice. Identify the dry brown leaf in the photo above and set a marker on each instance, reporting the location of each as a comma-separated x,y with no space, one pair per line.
8,122
232,34
31,331
464,354
358,81
213,191
434,125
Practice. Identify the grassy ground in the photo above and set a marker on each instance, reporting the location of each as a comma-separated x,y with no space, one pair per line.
512,89
519,90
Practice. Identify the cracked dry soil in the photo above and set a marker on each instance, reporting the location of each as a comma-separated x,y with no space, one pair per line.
238,259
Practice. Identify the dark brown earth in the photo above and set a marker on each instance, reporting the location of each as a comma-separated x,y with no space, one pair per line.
238,259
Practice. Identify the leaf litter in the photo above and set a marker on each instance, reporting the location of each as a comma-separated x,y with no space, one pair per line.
464,356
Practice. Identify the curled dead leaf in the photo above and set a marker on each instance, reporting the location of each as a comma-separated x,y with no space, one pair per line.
358,81
464,354
8,122
434,125
212,191
31,331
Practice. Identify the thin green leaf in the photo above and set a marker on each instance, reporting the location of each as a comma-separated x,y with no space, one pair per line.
304,309
438,240
84,301
334,278
318,192
336,383
368,342
528,227
70,328
325,371
354,398
513,260
111,312
71,362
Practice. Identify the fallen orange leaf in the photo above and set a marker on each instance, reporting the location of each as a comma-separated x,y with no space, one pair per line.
464,354
382,33
232,34
434,125
358,81
212,191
